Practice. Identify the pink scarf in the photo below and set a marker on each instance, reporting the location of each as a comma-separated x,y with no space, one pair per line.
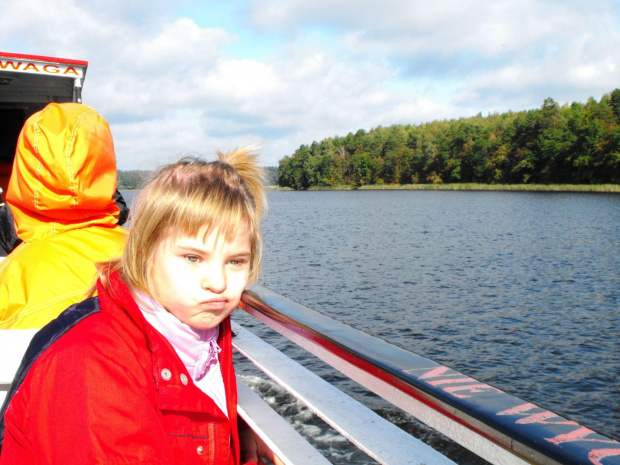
197,348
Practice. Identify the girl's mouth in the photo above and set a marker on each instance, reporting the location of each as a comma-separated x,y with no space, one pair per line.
217,304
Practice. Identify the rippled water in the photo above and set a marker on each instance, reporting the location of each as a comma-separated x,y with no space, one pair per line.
520,290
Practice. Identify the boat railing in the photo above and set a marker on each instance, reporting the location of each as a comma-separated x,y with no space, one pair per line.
498,427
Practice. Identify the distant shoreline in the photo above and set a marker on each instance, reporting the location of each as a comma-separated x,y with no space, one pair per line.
597,188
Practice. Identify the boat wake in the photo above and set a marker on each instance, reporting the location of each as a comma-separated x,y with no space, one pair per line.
335,447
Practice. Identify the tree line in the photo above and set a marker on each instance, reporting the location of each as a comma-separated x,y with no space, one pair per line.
132,179
135,179
569,144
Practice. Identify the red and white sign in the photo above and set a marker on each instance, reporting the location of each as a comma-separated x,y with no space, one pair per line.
42,65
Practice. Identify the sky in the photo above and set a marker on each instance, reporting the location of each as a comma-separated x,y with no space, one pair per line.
193,77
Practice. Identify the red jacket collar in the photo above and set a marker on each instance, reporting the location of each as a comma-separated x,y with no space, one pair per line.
118,293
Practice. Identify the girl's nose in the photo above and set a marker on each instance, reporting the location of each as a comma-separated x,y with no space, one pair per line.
214,280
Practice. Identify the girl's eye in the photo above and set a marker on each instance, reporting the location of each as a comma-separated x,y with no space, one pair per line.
192,258
237,262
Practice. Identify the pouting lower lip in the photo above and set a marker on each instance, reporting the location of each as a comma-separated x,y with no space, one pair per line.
214,303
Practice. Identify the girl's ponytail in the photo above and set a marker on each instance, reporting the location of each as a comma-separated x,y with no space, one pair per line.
245,163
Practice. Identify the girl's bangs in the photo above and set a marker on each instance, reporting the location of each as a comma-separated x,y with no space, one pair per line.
207,213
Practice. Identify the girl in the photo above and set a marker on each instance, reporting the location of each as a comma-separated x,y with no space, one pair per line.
142,373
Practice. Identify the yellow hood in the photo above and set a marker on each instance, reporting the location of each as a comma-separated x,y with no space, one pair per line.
64,172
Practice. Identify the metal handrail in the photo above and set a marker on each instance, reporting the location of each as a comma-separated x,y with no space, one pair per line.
496,426
364,428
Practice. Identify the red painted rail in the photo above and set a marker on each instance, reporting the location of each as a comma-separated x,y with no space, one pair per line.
495,425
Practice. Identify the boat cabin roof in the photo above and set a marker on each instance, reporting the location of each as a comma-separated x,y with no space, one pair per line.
27,84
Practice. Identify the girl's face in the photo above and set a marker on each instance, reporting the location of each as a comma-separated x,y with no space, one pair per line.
201,281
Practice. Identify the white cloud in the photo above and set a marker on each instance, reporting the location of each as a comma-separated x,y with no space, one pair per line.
170,85
449,26
504,54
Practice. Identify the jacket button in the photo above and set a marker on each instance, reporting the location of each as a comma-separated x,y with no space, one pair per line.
166,374
200,450
184,379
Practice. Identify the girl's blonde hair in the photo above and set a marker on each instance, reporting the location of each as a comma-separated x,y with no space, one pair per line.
189,197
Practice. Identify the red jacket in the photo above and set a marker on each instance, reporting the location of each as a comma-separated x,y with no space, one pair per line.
112,390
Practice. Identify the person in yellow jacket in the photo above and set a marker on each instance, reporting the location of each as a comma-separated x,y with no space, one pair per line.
61,196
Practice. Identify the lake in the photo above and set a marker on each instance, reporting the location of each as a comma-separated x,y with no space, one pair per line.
518,289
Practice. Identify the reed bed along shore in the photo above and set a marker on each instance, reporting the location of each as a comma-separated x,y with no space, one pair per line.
504,187
604,188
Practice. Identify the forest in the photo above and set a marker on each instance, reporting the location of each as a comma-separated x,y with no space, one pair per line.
136,179
133,179
576,143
